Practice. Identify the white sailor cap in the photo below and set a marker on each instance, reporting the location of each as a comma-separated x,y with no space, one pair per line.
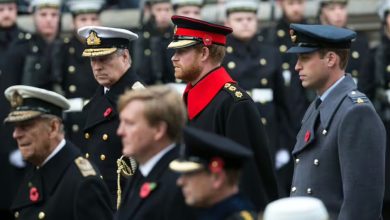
101,41
243,5
35,4
176,3
296,208
29,102
85,6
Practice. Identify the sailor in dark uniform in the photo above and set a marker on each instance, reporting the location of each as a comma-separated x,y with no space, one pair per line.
111,66
210,167
340,149
257,68
60,184
334,12
78,83
217,104
151,60
188,8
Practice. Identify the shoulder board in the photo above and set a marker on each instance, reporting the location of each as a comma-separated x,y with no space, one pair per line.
243,215
137,85
85,167
358,97
236,92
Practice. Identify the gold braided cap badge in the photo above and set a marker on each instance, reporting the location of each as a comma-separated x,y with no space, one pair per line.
293,36
16,100
93,39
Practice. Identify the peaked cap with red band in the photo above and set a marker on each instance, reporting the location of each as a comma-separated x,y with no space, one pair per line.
190,31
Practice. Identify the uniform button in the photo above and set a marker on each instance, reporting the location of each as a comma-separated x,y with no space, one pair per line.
293,189
286,66
66,40
147,52
353,93
27,36
102,157
281,33
283,48
75,128
101,177
229,49
316,162
264,121
388,68
72,88
71,69
87,155
20,35
355,55
263,62
105,137
16,214
37,66
309,191
264,81
297,160
231,65
355,73
35,49
86,136
72,50
324,132
41,215
146,34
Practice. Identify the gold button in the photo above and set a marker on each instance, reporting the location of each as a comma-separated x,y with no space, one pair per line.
146,34
28,36
37,66
355,73
16,214
20,35
35,49
87,155
41,215
66,40
264,81
281,33
264,121
232,88
86,135
309,191
388,68
231,65
105,137
72,88
72,50
229,49
147,52
75,128
263,62
286,66
316,162
283,48
297,160
293,189
355,55
71,69
102,157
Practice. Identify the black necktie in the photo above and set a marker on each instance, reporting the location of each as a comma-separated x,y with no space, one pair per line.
318,102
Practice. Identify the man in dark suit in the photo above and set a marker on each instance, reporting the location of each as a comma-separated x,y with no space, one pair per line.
217,104
340,149
78,83
210,167
111,66
150,126
60,184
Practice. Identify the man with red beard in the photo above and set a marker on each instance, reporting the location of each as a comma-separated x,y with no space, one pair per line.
216,103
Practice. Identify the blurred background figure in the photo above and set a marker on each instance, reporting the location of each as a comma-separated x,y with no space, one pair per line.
335,12
297,208
210,167
256,66
188,8
78,82
380,63
151,59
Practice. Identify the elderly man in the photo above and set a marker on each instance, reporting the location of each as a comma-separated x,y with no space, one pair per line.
341,132
217,104
60,184
210,167
111,66
150,126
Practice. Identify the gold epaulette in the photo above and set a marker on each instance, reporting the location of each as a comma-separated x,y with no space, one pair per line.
85,167
358,97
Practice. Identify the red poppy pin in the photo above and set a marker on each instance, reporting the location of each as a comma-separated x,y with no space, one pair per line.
216,165
146,189
107,112
34,194
307,136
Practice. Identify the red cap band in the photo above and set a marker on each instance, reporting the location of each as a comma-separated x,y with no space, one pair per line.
206,36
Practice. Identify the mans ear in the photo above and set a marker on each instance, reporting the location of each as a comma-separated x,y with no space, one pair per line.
331,59
205,53
54,127
218,179
161,129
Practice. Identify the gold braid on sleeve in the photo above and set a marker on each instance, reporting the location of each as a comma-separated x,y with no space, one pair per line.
125,171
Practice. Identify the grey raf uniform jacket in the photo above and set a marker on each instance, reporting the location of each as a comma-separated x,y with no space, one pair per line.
340,155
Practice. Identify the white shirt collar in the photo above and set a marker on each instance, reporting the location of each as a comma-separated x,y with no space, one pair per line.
55,151
148,166
326,93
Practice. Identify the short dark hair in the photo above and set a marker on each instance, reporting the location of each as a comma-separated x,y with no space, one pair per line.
217,52
342,53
